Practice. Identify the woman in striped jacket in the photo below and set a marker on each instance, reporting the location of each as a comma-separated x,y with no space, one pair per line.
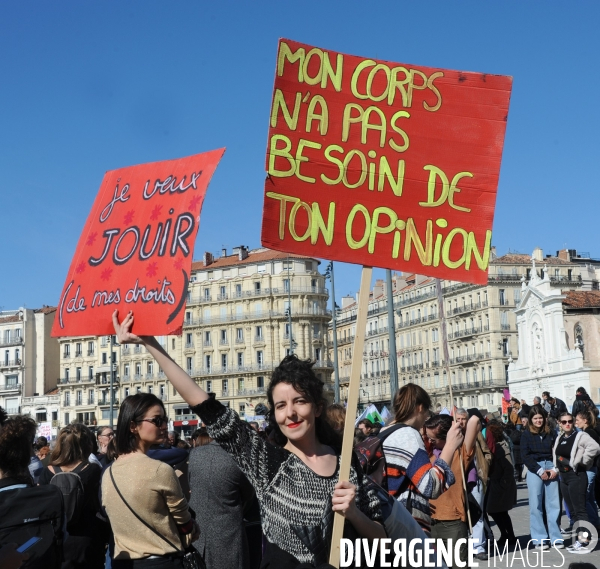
411,477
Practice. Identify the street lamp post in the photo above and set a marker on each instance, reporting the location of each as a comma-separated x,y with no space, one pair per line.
112,392
336,374
392,338
289,311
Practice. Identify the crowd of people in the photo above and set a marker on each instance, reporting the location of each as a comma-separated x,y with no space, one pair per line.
235,496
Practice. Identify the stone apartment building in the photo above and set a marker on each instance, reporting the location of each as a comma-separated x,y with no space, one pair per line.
236,329
29,365
481,330
84,383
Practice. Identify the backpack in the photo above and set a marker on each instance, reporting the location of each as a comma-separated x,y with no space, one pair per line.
33,511
371,457
71,487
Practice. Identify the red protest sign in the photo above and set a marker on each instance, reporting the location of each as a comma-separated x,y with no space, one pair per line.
135,251
383,164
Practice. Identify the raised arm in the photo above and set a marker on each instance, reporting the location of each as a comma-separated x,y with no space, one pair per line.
191,392
473,427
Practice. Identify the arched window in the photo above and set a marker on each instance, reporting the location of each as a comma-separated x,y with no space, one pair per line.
579,339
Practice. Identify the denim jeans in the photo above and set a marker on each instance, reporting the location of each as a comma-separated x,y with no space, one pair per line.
590,503
454,530
541,491
479,525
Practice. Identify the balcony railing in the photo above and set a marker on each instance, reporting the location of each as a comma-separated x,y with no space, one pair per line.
253,316
466,332
502,277
189,345
42,400
323,364
263,291
259,339
81,379
12,341
106,402
558,280
377,331
10,363
11,387
466,308
231,370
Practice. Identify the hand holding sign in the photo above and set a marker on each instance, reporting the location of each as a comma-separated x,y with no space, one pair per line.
136,248
123,329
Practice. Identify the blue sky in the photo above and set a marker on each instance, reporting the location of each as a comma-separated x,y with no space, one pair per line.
92,86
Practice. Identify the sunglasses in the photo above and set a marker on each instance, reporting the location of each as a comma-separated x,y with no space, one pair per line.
567,422
156,421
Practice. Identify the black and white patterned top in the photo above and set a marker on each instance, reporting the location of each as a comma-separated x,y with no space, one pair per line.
289,492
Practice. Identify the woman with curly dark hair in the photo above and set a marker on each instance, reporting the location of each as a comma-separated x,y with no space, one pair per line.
296,484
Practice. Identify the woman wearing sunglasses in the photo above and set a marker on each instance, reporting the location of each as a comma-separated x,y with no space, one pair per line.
296,482
574,453
148,514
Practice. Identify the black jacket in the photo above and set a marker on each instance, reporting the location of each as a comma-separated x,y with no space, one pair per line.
583,403
557,408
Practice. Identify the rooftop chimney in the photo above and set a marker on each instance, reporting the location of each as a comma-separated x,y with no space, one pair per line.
538,254
243,252
208,259
224,252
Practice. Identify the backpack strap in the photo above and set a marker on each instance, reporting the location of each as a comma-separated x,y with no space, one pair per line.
81,466
56,469
135,514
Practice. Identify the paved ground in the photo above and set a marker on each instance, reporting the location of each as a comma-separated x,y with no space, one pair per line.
520,558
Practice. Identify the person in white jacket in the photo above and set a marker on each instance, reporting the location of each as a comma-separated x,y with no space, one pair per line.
573,454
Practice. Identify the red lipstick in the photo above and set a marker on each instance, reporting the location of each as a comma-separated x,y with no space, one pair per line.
293,425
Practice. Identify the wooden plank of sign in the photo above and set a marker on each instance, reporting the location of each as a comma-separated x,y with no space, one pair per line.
353,390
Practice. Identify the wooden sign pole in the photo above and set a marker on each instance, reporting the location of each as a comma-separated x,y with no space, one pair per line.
440,297
352,405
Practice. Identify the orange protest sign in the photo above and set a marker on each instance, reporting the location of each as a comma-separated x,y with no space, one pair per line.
383,164
135,251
